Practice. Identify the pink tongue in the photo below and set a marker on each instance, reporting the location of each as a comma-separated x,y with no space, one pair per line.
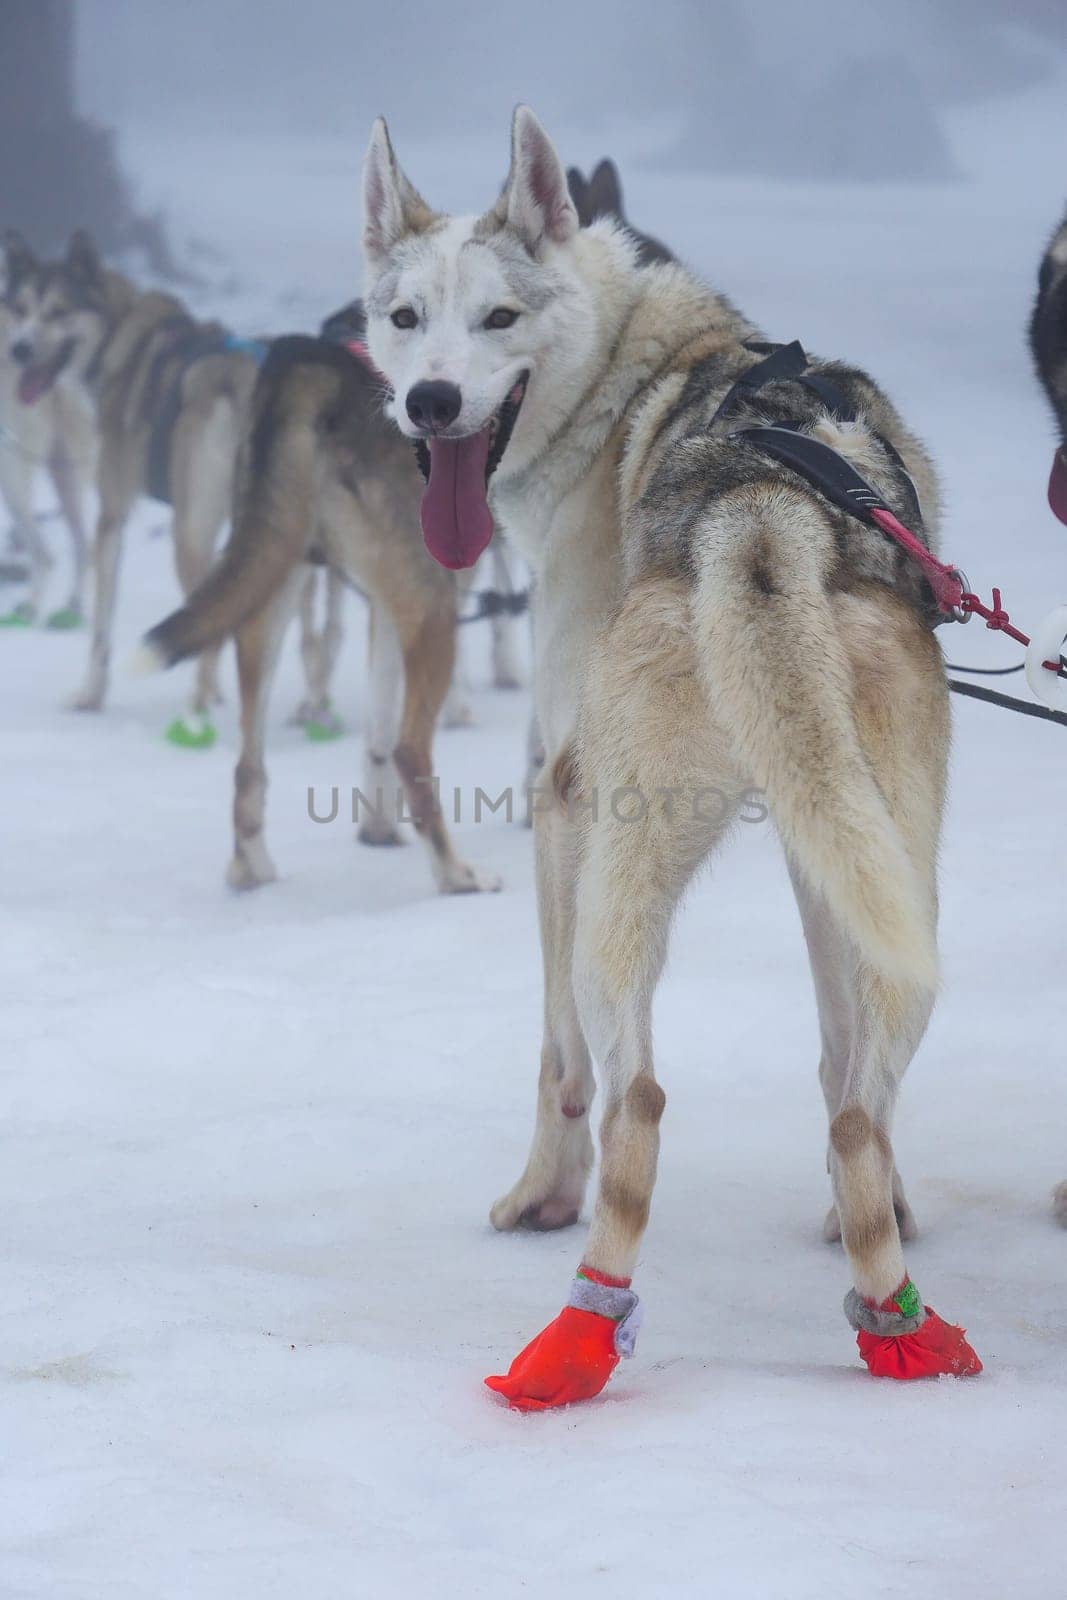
32,384
457,524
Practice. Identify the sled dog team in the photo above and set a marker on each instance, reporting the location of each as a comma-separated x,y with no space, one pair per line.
706,615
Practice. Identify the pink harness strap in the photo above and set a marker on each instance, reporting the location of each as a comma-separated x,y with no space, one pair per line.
949,588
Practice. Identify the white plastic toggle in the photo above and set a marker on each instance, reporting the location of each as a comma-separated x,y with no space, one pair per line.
1046,645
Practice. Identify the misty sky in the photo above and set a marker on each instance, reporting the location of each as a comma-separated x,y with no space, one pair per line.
833,87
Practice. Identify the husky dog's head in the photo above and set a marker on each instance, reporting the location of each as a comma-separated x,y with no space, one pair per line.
55,313
482,327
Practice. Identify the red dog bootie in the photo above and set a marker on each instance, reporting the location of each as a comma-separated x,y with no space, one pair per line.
573,1358
902,1338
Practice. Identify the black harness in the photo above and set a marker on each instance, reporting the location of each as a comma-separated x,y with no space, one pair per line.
822,466
837,479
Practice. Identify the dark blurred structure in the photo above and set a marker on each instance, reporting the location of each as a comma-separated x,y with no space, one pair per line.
59,171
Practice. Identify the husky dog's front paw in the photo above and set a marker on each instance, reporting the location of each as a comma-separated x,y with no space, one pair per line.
91,698
457,712
519,1210
66,618
459,878
24,615
251,867
377,830
1059,1204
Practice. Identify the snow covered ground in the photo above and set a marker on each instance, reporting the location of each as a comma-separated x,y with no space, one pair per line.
249,1145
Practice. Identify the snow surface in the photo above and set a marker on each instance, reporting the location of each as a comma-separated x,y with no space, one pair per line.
250,1143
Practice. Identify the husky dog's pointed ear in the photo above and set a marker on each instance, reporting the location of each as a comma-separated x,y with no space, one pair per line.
536,201
19,259
392,206
605,192
579,190
83,262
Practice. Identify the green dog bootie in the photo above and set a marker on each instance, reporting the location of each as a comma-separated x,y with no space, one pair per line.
320,730
20,617
64,619
193,732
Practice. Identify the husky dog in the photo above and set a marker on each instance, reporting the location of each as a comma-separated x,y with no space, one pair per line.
706,620
324,477
600,195
166,394
1048,342
46,419
365,482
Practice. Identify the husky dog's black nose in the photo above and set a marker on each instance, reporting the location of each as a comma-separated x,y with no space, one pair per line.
22,352
433,405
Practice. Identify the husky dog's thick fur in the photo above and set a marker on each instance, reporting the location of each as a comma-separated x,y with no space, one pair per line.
1048,341
1048,325
167,398
705,621
46,417
324,477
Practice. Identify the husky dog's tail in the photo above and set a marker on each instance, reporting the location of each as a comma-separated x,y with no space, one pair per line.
273,520
781,681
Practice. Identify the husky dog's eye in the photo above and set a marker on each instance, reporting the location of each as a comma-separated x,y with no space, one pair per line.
501,317
403,317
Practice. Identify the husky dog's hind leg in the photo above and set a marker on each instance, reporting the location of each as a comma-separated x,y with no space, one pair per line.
550,1191
667,788
71,476
17,472
320,647
832,958
613,855
118,488
381,731
428,644
72,468
202,471
258,644
837,706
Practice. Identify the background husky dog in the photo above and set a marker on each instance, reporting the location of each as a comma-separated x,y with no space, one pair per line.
167,396
46,420
324,476
705,621
600,195
1048,341
302,385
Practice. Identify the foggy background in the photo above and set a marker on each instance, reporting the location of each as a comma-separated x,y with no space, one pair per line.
217,143
830,88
